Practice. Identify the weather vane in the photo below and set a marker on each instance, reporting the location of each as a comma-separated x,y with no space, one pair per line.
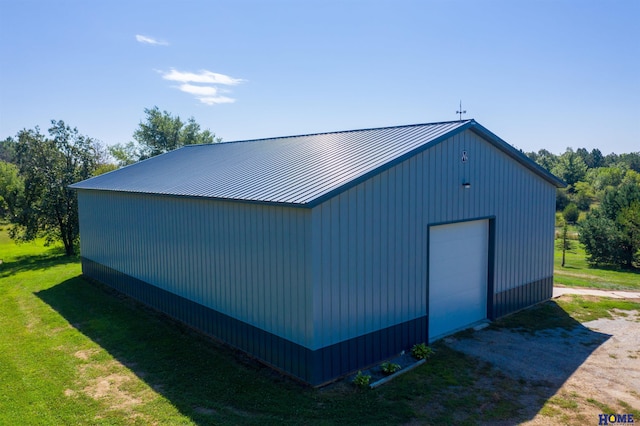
460,111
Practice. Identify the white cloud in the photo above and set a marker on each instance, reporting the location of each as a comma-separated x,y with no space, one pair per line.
205,94
216,100
150,40
198,90
205,88
203,76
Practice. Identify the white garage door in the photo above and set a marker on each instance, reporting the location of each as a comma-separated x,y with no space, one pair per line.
458,261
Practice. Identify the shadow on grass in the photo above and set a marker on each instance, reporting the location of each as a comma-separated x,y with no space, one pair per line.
53,256
614,268
206,381
541,347
569,267
534,352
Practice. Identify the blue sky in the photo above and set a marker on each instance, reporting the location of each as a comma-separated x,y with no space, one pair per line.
539,74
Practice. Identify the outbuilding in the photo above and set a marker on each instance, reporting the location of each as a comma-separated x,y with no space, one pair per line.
322,254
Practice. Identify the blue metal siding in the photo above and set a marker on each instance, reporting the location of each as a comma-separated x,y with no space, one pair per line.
242,260
371,272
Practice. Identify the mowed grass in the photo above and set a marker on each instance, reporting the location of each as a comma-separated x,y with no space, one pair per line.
74,352
565,312
589,308
578,273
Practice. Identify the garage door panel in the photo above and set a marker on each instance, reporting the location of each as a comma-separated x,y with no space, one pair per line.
458,261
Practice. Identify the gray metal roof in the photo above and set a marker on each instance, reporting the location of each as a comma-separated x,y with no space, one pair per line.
295,170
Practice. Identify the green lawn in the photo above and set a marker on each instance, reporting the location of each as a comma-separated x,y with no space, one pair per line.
74,352
578,273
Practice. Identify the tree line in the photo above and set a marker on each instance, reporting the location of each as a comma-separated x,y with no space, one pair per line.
607,190
37,169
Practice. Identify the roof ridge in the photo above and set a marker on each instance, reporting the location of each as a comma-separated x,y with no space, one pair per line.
339,131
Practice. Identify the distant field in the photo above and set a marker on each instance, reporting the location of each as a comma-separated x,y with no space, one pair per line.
578,273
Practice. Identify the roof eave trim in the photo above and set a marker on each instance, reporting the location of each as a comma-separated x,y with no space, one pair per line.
197,197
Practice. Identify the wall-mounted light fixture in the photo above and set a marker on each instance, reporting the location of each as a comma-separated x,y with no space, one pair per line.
466,185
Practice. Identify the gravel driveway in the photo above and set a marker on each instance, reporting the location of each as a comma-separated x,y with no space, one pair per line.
573,373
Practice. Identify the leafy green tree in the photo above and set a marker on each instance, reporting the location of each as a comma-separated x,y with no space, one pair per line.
631,177
571,168
583,195
126,154
629,221
615,200
191,134
610,160
584,154
103,160
104,168
611,233
562,199
571,213
8,150
600,237
596,159
544,158
11,189
605,177
631,160
49,208
161,132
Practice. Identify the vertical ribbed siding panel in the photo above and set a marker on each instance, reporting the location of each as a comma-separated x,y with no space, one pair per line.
373,249
222,255
393,284
381,200
372,261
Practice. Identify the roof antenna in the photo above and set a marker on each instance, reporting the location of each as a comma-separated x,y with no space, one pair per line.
460,111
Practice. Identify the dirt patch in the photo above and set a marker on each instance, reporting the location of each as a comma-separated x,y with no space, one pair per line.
111,383
609,371
574,374
111,389
60,329
85,354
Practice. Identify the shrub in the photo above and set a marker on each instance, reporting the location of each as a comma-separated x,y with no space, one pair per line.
421,351
571,213
389,367
361,380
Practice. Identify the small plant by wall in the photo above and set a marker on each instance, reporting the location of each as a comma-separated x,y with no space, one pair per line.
389,367
421,351
362,380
